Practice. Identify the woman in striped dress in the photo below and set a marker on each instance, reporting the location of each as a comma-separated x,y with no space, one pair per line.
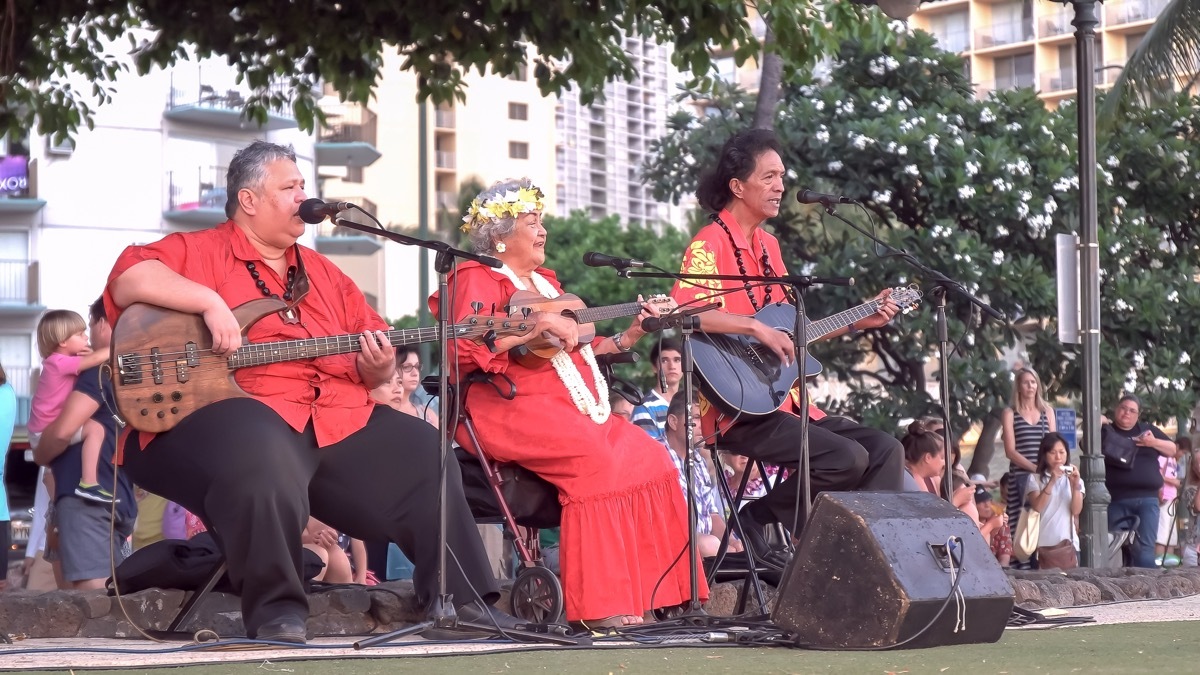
1026,420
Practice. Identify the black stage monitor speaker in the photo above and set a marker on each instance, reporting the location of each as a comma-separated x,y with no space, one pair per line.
872,570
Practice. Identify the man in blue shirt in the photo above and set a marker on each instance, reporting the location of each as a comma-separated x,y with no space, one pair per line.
91,542
666,358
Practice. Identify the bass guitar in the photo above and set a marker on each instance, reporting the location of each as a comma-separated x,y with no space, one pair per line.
741,376
164,367
544,347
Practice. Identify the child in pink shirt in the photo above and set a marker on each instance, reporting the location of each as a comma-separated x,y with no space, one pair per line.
63,343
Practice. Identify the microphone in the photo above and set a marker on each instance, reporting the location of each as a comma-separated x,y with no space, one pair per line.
810,197
593,259
313,211
653,324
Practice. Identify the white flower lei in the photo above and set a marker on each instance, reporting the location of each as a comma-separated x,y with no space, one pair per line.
595,408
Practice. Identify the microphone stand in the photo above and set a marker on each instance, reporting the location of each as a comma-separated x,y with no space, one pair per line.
441,611
944,283
797,283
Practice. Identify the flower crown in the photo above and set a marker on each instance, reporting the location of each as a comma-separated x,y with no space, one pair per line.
508,205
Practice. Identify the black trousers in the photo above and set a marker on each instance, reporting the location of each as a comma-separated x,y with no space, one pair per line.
255,481
843,455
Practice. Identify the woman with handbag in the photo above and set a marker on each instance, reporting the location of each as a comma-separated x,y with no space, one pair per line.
1056,493
1024,422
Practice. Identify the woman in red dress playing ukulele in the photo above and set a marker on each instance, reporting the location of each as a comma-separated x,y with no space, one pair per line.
624,522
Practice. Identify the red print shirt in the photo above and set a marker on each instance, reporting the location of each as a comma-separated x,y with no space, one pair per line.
712,252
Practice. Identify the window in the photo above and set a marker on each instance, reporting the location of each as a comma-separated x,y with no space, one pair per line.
1014,71
518,150
518,111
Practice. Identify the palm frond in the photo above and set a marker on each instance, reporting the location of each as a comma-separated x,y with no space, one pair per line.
1167,55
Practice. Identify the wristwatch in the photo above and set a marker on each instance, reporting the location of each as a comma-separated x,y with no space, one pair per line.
619,341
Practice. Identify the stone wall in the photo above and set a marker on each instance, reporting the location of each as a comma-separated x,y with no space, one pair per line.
359,610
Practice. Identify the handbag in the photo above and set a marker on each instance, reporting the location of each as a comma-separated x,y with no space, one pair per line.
1060,556
1119,451
1025,543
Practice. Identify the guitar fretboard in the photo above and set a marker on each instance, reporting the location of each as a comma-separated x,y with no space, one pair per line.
260,354
594,314
819,329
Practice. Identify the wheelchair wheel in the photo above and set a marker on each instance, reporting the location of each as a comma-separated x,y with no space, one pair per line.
537,596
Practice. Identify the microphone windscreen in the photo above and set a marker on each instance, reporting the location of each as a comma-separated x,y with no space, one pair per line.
312,211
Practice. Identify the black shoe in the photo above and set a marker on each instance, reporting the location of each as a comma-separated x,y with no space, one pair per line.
284,629
471,613
756,541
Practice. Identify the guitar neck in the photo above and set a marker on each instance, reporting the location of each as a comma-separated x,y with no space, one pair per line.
594,314
261,354
831,324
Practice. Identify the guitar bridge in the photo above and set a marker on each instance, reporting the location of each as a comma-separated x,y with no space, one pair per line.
129,369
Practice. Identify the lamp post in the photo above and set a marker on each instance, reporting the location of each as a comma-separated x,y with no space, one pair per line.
1094,519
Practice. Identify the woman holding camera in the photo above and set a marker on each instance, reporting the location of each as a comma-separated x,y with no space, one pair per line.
1056,492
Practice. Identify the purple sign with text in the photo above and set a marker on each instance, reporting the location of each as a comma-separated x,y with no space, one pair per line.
14,175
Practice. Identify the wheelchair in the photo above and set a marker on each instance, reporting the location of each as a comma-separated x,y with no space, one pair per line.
508,494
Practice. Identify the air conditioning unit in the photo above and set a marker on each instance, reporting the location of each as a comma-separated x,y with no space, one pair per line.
65,148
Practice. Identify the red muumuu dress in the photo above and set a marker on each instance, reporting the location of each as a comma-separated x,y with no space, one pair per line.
624,519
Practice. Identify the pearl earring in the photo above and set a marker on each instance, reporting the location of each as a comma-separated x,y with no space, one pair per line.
500,247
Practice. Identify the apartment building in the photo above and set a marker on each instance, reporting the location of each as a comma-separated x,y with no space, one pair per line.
1026,43
154,164
602,147
369,155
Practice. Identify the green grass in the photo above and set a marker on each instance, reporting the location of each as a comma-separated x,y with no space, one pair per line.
1118,649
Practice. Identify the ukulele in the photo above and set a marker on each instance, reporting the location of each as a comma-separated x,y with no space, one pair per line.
546,346
164,367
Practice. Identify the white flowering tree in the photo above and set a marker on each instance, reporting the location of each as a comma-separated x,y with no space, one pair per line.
975,189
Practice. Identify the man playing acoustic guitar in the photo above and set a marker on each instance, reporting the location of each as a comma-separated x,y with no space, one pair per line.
746,188
308,440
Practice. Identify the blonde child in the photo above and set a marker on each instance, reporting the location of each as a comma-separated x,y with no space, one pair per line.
62,341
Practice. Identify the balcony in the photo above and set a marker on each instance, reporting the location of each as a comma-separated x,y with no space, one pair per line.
196,196
443,118
1132,11
443,159
1064,79
17,181
1055,23
1004,33
447,200
348,137
202,100
21,379
19,287
1005,82
334,240
954,41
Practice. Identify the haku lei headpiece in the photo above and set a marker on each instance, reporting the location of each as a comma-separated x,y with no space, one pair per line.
508,205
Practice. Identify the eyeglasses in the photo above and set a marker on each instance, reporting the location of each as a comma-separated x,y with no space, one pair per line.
410,368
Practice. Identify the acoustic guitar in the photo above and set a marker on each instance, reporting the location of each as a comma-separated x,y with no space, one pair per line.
164,367
544,347
742,377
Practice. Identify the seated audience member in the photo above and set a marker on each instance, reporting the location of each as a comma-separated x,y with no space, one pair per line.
710,510
400,391
667,362
736,467
327,544
925,461
623,517
620,406
307,441
993,524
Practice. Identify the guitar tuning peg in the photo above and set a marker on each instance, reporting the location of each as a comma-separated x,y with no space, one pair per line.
476,306
525,312
493,309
